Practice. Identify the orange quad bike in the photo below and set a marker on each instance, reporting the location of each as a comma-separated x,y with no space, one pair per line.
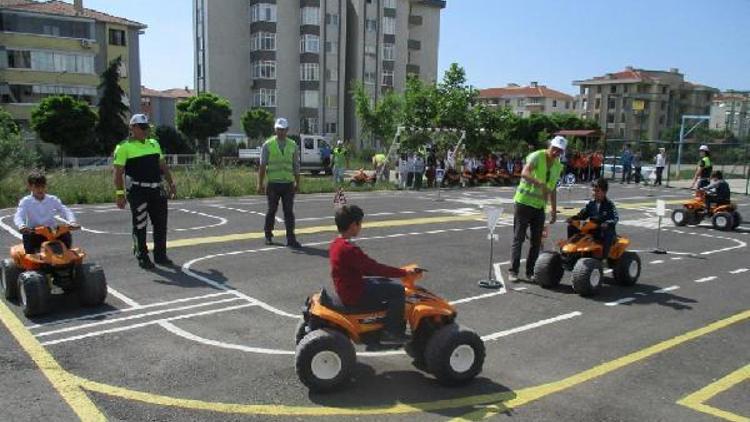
32,276
723,217
361,178
582,255
325,354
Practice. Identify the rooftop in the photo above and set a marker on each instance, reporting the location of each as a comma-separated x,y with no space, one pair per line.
531,91
178,93
60,8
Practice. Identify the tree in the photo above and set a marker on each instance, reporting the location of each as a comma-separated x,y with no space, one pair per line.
7,124
379,121
202,117
172,141
111,128
67,122
13,153
257,123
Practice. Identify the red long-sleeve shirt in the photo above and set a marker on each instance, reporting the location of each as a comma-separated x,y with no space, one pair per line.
348,267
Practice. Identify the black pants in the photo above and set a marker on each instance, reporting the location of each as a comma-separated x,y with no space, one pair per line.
659,171
627,173
148,203
33,242
703,182
523,218
637,174
606,236
379,290
285,192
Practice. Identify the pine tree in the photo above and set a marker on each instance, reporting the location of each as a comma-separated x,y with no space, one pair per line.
112,112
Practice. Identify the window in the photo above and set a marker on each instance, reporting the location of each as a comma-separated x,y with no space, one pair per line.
611,103
265,69
387,78
663,105
567,105
116,37
332,47
310,16
391,4
507,103
331,128
610,118
19,59
309,125
309,99
332,101
389,25
49,61
332,75
332,19
309,44
661,119
264,98
554,103
599,89
263,12
370,78
371,25
613,89
389,51
597,104
309,72
370,50
664,90
625,88
519,102
263,41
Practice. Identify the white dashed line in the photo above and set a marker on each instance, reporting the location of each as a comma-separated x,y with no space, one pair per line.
620,301
677,258
738,271
658,261
667,289
495,336
705,279
133,304
519,289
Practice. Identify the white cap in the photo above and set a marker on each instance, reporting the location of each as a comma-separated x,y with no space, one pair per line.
281,123
139,119
703,148
559,142
339,142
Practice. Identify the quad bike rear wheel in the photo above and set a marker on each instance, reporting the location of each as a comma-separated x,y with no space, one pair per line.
587,276
35,293
9,279
628,269
324,360
723,221
679,217
548,269
454,355
92,284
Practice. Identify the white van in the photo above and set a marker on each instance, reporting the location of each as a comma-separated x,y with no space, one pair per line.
310,160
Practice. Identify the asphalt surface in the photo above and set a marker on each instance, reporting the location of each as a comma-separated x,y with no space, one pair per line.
213,337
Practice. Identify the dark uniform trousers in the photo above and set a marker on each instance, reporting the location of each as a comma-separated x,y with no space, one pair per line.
148,203
285,192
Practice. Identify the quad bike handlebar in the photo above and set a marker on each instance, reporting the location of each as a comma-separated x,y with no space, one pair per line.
52,233
585,226
410,280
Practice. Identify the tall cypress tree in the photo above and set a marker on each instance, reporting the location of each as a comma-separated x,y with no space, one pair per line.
112,112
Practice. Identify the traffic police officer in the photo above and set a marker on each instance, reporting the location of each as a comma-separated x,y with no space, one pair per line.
139,167
704,169
279,163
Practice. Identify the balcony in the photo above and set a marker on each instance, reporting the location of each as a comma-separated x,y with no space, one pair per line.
415,20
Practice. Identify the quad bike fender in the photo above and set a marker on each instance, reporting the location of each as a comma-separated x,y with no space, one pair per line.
354,325
619,247
420,313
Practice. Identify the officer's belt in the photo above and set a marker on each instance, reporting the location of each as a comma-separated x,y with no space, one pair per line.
146,185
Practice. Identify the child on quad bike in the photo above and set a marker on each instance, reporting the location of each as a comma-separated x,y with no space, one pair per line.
349,265
718,191
602,210
40,209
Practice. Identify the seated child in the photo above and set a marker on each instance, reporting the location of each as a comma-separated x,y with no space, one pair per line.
602,210
349,265
718,191
39,209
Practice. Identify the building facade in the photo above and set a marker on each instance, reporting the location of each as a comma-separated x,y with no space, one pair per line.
638,104
161,106
54,48
730,111
524,101
300,58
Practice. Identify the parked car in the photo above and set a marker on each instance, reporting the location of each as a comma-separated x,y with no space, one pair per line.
646,171
310,146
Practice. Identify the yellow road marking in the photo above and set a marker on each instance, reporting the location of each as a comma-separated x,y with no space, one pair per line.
322,229
697,400
498,401
62,380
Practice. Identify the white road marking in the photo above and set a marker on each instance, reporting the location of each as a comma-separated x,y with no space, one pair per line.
738,271
519,289
133,304
248,349
705,279
10,229
658,261
244,211
222,221
144,324
666,289
620,301
138,316
677,258
527,327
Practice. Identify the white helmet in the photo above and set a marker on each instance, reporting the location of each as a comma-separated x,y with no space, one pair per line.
703,148
281,123
559,142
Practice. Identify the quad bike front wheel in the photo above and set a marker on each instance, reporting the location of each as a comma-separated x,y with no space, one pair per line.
9,279
35,293
628,269
301,331
548,269
679,217
324,360
723,221
587,276
454,355
92,284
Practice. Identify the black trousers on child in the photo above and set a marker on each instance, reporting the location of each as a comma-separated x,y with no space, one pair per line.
379,290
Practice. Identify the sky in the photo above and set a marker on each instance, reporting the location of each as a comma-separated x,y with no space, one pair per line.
553,42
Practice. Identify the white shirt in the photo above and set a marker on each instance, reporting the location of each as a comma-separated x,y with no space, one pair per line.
660,160
32,213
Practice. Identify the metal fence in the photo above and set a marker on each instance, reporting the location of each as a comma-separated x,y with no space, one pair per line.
91,163
733,159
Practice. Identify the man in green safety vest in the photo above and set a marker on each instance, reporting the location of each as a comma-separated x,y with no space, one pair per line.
704,169
538,185
279,163
340,162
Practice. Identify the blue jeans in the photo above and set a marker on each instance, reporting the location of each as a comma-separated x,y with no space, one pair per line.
338,175
379,290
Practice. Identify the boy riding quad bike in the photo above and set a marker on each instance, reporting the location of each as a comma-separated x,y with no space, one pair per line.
713,201
361,177
32,275
325,355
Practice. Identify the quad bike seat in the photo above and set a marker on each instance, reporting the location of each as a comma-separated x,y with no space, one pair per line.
331,300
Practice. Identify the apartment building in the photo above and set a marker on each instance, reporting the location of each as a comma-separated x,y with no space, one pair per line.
639,104
730,111
54,47
300,58
161,106
527,100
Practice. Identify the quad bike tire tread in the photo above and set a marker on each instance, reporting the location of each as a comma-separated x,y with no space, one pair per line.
92,284
318,341
582,276
441,346
10,279
36,291
301,331
548,270
621,269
